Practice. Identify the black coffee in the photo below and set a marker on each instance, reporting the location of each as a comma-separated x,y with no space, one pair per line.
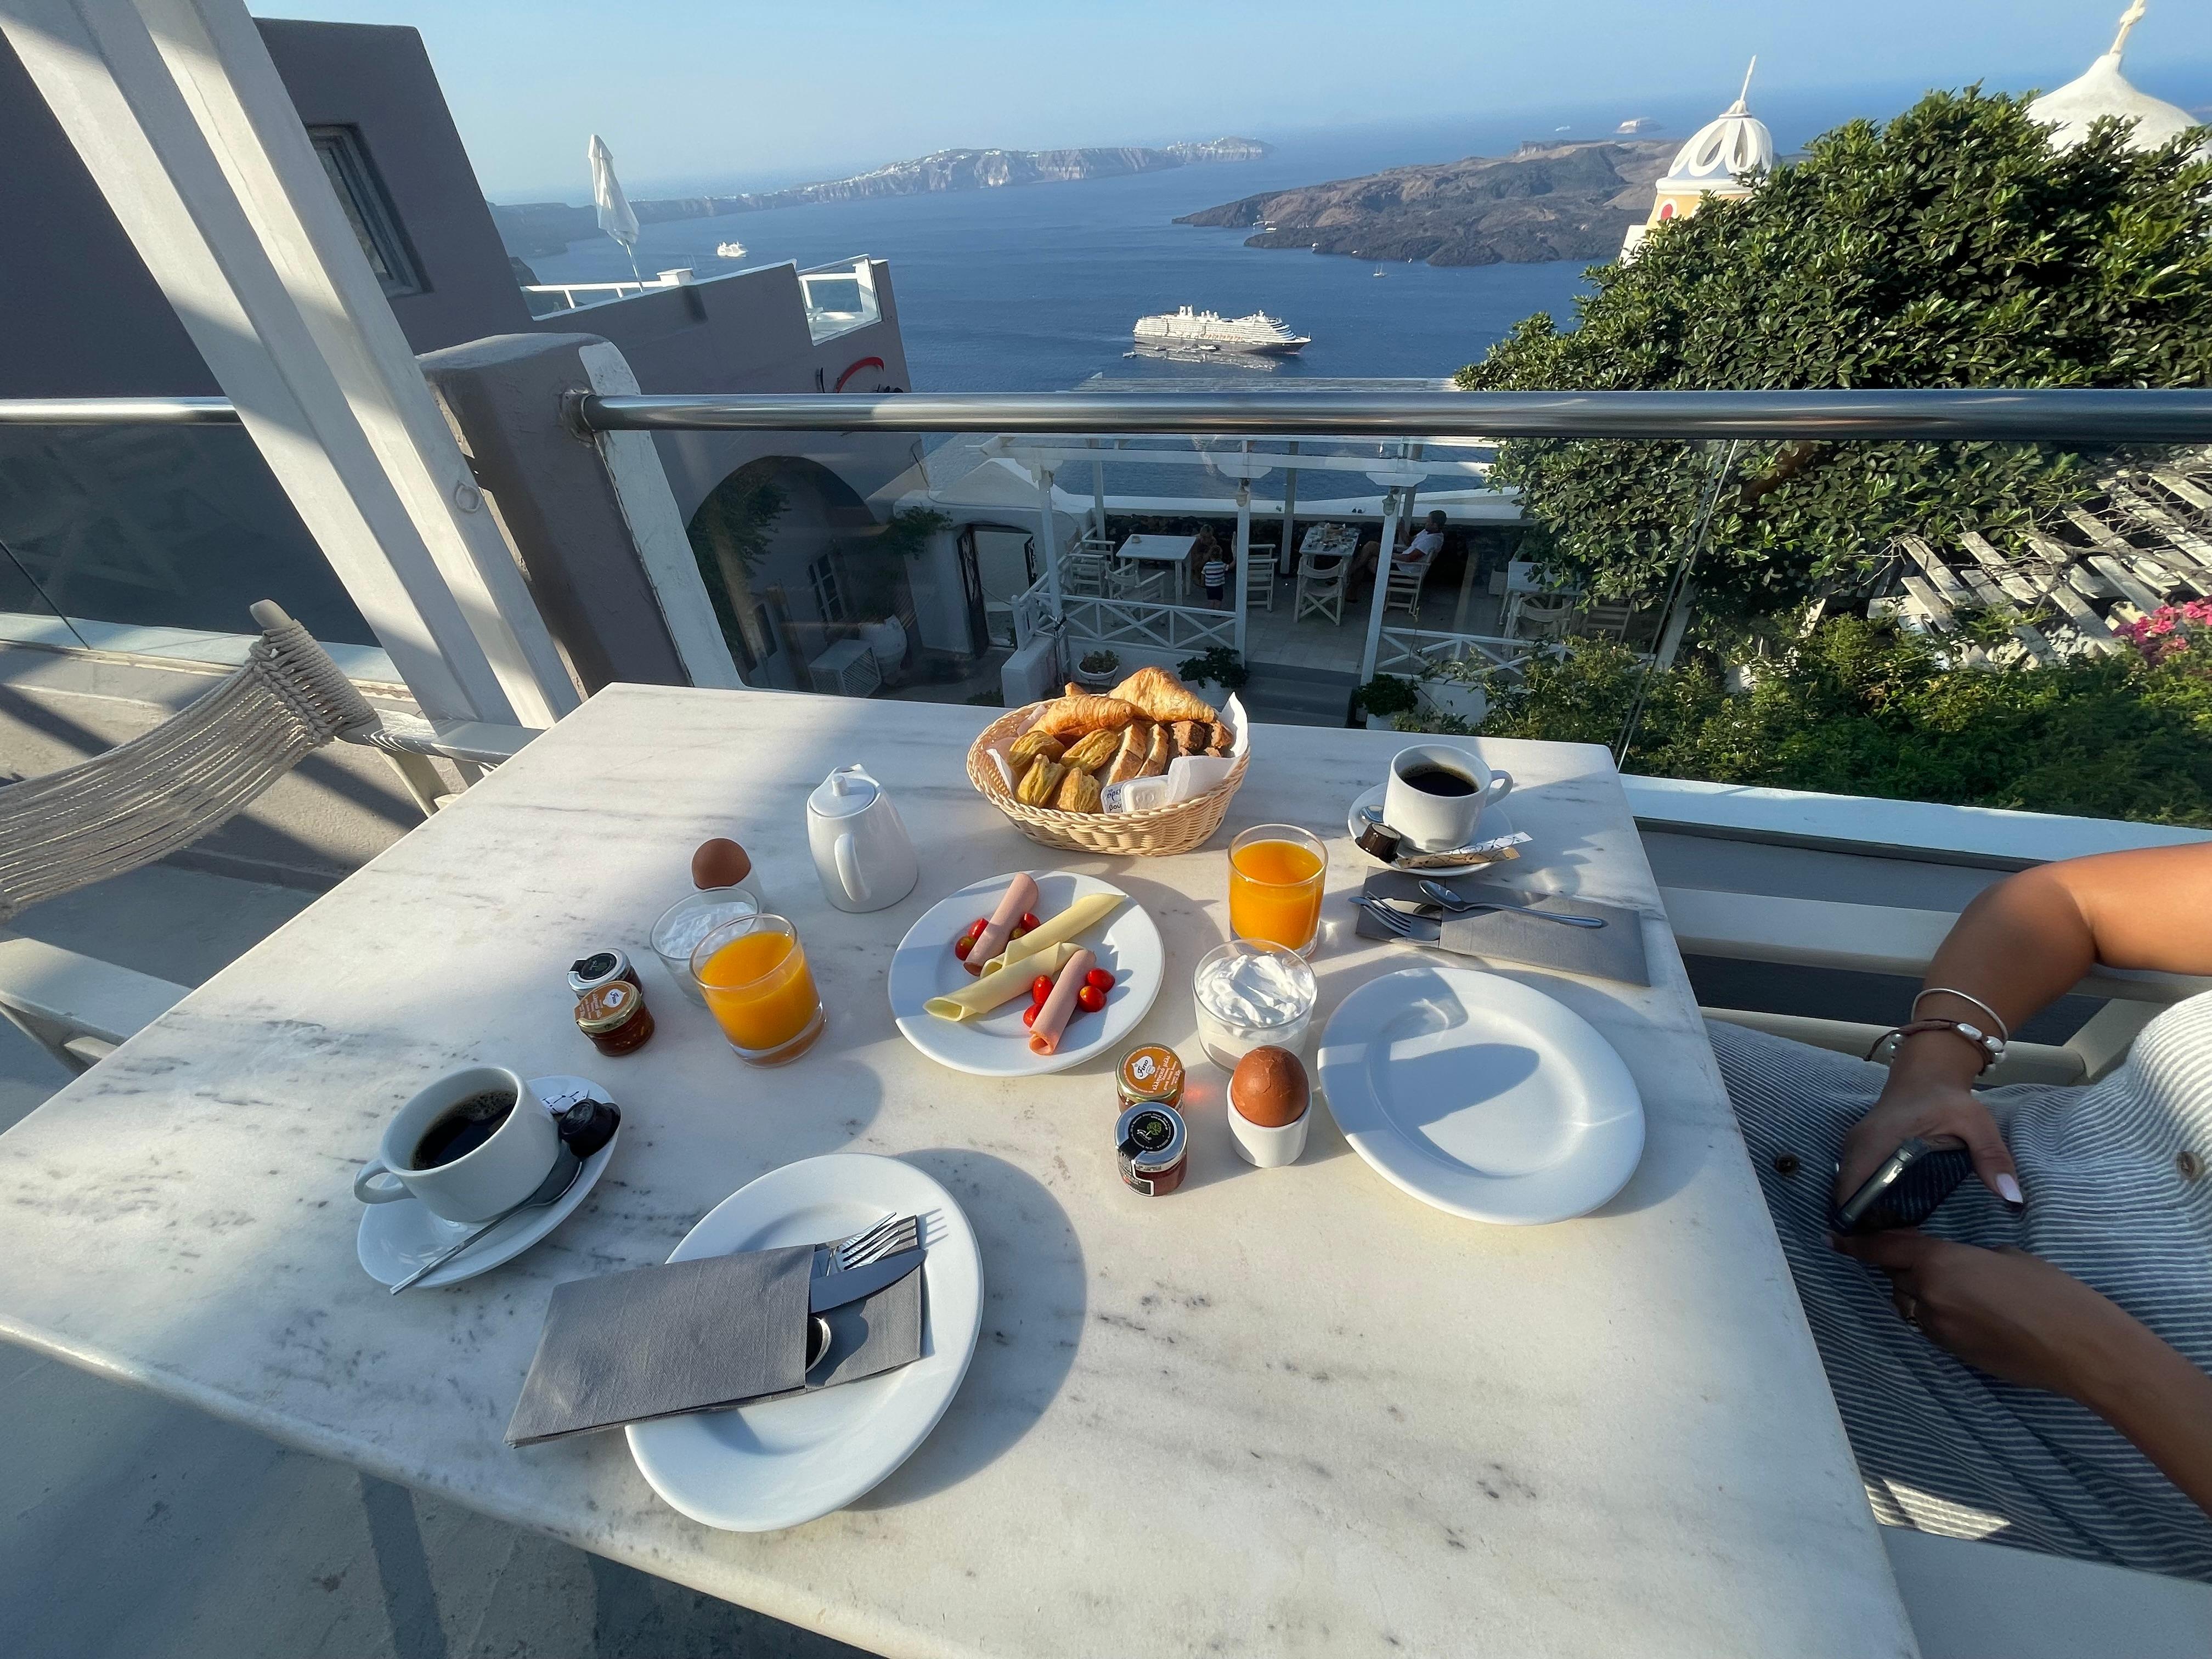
1438,781
461,1128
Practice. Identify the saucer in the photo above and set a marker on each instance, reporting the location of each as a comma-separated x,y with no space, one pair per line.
397,1238
1492,823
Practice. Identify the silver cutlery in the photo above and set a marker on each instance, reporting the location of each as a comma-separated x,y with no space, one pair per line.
869,1245
551,1190
836,1290
1458,905
1397,921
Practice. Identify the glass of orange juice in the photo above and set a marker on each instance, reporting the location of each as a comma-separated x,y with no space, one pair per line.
1275,876
754,977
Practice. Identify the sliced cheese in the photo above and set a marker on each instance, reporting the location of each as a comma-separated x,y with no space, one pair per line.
1002,984
1078,919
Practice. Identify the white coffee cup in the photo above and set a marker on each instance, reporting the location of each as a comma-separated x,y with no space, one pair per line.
1436,823
480,1183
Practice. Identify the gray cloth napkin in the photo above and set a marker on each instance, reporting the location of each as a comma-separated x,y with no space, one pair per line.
691,1336
1613,951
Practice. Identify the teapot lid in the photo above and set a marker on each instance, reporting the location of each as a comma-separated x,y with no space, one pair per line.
845,790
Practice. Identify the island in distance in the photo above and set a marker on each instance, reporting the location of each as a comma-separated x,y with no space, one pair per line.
534,227
1545,201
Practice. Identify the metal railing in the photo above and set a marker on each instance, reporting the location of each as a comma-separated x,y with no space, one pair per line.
2182,415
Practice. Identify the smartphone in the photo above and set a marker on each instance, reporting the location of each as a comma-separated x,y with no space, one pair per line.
1905,1190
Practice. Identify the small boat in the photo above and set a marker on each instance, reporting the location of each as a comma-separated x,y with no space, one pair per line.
730,250
1379,272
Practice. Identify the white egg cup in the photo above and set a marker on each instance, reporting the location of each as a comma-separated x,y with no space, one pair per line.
1265,1147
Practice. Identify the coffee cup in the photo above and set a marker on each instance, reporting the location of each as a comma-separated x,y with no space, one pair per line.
1436,795
474,1144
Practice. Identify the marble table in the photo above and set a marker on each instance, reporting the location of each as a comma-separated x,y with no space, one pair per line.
1280,1413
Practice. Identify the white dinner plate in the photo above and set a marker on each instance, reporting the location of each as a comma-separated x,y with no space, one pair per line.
1480,1095
998,1044
1492,823
781,1462
397,1238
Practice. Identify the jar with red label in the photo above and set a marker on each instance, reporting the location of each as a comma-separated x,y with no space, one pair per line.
614,1015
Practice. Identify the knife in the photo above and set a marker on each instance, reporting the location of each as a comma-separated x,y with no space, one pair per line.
836,1290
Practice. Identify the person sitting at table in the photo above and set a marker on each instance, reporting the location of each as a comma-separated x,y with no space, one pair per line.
2031,1363
1414,556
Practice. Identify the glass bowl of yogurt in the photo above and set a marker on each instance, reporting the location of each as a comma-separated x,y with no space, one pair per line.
684,924
1250,995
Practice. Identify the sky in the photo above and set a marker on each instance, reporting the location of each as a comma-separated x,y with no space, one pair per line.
692,94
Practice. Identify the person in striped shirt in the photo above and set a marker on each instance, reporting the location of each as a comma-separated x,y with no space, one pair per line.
2029,1364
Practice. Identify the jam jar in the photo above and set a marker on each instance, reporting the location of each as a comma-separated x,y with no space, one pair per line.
614,1015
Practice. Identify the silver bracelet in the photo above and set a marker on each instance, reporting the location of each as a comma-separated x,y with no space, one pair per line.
2003,1030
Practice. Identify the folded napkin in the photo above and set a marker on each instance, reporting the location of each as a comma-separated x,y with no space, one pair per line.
1613,952
691,1336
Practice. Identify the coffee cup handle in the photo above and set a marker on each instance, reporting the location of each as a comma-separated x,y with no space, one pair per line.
1501,786
365,1189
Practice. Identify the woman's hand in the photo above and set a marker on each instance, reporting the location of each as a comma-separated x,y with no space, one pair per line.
1915,1102
2005,1312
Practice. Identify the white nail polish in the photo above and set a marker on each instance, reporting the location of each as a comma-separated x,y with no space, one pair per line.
2008,1189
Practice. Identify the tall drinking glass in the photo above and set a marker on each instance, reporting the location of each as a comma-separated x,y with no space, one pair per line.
1276,872
754,977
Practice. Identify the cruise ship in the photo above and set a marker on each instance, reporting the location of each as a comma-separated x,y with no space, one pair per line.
1209,329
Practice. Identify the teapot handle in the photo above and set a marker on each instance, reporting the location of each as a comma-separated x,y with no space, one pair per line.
848,871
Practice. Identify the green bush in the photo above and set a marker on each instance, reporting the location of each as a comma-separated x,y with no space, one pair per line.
1858,708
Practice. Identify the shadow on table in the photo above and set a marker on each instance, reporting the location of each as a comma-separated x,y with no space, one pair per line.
1033,1311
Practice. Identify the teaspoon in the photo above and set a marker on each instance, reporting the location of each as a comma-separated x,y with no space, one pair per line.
1438,893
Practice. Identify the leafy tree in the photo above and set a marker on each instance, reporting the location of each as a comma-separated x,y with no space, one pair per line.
1952,247
1859,708
729,536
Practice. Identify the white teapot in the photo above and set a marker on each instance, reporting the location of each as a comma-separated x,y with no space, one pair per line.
861,849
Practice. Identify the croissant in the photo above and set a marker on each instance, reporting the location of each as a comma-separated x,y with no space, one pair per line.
1039,782
1030,745
1136,748
1088,753
1159,696
1067,715
1079,793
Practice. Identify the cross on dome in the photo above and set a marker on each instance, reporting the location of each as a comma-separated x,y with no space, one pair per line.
2072,110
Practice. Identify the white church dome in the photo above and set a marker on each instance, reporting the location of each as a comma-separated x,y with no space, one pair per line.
1733,144
2078,105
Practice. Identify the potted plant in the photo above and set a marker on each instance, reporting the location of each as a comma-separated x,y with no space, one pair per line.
1457,690
1098,670
1378,703
1217,667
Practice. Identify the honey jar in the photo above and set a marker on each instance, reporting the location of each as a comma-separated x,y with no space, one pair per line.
1150,1076
614,1015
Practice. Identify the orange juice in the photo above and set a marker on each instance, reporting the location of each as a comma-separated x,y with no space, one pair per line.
1275,887
760,991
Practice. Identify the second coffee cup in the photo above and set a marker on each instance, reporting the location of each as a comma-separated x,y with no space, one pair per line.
1436,793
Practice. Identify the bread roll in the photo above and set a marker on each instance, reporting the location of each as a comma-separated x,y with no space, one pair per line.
1159,696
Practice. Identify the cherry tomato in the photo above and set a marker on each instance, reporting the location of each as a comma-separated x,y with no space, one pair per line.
1091,998
1040,989
975,927
1029,922
1030,1014
961,947
1099,979
1018,933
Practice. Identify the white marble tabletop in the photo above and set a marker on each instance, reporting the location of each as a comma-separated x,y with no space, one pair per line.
1279,1413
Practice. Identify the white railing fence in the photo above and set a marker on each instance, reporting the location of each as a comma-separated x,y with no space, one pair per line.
1095,620
1414,652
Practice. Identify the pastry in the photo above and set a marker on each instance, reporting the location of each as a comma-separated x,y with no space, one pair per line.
1159,694
1088,753
1188,735
1136,749
1162,751
1066,716
1079,793
1219,740
1031,744
1040,781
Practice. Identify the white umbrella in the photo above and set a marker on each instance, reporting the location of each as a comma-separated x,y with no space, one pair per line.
617,217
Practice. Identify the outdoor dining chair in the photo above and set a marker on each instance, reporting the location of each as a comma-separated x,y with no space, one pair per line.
1259,575
1404,593
1321,588
1131,579
144,800
1534,620
1085,572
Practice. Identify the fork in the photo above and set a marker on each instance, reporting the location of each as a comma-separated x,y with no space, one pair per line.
1444,898
1395,921
870,1244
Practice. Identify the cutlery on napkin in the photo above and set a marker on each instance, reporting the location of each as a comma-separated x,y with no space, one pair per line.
689,1336
1613,951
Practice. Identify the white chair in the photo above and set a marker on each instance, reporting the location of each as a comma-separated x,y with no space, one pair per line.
1136,578
1259,575
1321,588
1537,621
1085,572
144,800
1606,621
1404,592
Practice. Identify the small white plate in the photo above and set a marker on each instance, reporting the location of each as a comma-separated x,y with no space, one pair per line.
782,1463
1492,823
397,1238
998,1044
1480,1095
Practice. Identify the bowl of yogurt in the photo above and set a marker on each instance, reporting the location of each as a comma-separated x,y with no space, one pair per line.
1251,995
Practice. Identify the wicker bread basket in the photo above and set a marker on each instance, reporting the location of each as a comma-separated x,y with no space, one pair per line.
1155,834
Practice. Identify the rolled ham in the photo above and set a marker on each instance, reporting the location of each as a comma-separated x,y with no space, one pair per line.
1021,894
1059,1007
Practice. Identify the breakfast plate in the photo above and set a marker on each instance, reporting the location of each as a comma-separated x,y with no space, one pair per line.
1493,824
1481,1096
997,1043
781,1462
397,1238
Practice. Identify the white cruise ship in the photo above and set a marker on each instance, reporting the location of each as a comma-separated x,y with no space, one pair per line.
1205,330
730,250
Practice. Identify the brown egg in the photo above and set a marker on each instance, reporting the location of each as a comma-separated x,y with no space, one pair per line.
719,863
1268,1088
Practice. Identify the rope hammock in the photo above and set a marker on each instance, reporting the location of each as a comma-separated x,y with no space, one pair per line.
146,799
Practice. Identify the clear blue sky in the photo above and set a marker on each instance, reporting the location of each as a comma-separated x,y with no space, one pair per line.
755,92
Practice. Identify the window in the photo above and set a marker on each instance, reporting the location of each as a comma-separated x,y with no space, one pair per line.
368,209
829,594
